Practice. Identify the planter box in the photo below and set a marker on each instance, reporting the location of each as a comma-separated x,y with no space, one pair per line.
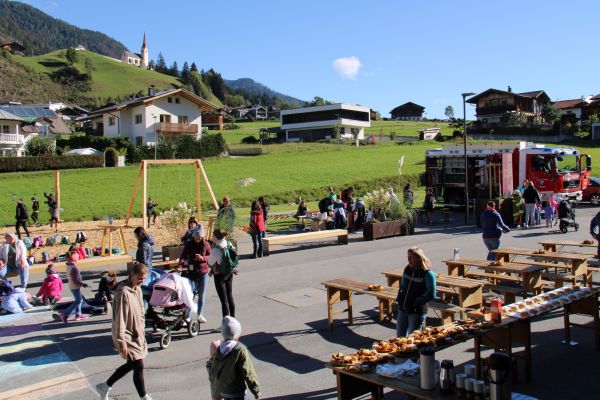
173,252
385,229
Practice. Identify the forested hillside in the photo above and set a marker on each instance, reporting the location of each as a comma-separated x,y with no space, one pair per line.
40,33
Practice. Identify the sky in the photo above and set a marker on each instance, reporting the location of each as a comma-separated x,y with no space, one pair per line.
379,53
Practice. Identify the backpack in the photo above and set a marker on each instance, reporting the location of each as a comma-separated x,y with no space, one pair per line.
37,241
65,240
80,237
45,257
51,241
230,260
27,242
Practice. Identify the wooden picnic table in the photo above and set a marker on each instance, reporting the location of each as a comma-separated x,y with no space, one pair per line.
469,292
342,289
558,245
576,261
529,276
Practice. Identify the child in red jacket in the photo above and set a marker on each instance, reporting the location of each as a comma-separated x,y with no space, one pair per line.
51,290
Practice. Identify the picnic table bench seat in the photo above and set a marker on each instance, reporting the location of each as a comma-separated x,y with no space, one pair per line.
492,277
340,234
88,263
509,292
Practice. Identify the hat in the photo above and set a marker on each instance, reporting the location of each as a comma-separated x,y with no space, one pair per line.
230,328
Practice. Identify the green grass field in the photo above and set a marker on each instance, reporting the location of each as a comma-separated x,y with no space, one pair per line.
110,78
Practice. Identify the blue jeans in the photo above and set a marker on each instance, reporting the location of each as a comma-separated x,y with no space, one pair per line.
76,305
407,323
257,244
23,273
491,244
200,287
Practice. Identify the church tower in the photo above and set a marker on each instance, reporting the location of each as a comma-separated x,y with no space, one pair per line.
144,54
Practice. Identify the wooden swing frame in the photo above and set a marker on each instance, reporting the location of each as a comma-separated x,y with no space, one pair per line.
143,178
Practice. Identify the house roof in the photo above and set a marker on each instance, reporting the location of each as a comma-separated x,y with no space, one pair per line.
204,104
29,112
533,94
132,54
58,126
409,104
563,104
8,116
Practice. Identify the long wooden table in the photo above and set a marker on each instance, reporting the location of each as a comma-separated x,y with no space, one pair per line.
558,245
576,262
469,292
530,276
342,289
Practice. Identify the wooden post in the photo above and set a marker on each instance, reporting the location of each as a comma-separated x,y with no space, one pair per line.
57,192
144,192
135,191
210,191
198,199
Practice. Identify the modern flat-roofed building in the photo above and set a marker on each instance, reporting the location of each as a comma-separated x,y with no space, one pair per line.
309,124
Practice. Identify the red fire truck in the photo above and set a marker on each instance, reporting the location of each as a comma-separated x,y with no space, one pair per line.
497,169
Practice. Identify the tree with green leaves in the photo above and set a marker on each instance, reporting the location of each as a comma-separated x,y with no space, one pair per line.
71,56
193,67
89,67
174,70
550,113
449,112
40,146
161,65
185,73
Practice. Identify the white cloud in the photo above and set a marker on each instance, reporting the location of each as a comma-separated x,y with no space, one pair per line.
347,67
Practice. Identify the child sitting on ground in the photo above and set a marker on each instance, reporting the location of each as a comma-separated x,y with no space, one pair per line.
106,288
14,300
51,290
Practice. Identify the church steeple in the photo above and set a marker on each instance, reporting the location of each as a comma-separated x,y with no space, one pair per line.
144,53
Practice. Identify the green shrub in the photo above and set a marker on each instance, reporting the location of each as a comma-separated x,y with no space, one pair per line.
111,157
249,140
43,163
40,146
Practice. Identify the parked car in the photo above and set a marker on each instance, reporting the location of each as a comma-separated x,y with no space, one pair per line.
592,192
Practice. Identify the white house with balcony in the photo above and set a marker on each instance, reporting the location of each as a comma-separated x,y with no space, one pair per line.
322,122
159,115
12,138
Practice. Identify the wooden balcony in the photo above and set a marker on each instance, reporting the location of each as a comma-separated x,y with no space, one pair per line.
169,128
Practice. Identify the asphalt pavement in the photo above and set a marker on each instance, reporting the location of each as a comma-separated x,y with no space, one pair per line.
281,305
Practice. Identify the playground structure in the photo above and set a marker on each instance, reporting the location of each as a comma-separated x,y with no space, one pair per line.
142,177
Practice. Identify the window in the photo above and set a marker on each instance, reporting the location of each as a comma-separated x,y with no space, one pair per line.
111,121
138,118
176,100
165,118
169,99
183,119
139,140
5,129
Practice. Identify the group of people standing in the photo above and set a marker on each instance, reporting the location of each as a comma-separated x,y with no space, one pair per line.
22,213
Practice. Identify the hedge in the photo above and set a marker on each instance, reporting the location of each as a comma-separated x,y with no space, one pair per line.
43,163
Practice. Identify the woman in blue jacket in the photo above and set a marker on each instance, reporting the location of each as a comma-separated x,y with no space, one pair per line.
493,226
145,250
417,288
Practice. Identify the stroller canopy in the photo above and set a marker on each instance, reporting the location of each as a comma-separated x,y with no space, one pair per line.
171,290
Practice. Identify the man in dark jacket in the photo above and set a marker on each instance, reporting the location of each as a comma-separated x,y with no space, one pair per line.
35,211
595,230
22,216
531,196
493,226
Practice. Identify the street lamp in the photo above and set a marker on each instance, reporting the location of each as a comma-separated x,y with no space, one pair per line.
464,98
155,139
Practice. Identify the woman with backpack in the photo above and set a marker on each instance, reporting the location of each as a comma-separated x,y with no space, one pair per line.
223,265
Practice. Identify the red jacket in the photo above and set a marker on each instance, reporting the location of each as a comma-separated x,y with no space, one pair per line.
52,286
257,222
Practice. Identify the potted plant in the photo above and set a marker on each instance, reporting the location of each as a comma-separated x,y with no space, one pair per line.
175,221
390,217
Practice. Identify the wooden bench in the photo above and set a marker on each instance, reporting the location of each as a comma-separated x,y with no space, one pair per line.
492,277
340,234
590,271
88,263
509,292
557,279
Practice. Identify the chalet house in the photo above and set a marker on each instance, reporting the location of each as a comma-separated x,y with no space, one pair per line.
309,124
408,112
12,139
213,120
40,118
494,107
571,110
166,114
12,46
256,113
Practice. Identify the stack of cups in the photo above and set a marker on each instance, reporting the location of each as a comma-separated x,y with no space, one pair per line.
469,386
470,370
460,384
478,389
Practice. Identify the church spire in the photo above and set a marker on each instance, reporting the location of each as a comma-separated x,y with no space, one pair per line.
144,44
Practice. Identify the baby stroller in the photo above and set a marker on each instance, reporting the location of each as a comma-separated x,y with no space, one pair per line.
566,216
167,308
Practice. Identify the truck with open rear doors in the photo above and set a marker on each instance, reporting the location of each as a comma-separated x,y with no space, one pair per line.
497,169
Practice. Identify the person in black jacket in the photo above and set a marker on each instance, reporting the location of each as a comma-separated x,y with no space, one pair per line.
417,288
35,211
531,197
52,208
22,216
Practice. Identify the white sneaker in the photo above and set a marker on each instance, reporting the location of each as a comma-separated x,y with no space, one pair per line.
201,319
146,397
103,389
217,329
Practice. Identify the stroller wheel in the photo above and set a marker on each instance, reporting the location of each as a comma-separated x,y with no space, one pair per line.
193,328
576,226
563,228
165,340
